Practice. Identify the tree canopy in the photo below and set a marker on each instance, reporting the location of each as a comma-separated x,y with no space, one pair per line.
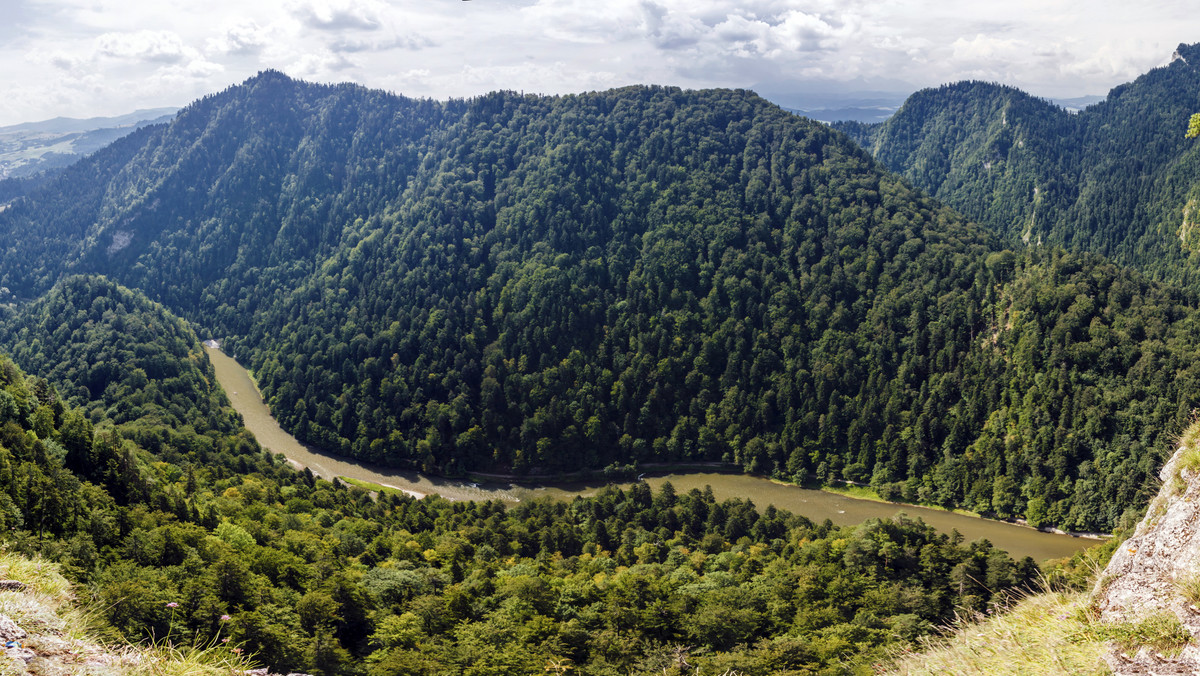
534,285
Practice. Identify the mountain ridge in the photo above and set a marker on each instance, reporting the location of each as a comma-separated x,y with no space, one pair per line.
516,283
524,282
1113,178
31,148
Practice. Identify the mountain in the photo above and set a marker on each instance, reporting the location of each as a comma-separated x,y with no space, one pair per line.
1116,178
1074,104
529,284
837,101
533,285
865,113
122,358
32,147
173,533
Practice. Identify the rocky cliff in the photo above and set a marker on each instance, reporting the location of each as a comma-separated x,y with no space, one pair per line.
1156,572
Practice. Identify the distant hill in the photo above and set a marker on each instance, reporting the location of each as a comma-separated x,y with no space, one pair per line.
1116,178
32,147
1075,104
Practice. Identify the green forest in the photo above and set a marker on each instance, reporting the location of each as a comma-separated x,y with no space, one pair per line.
538,285
1117,178
534,286
198,536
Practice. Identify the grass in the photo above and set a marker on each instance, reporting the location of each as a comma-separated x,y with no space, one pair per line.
1047,633
1189,588
856,492
44,605
64,636
1057,632
1189,460
1162,632
1053,632
371,486
168,660
42,577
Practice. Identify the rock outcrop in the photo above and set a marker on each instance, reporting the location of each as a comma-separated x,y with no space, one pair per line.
42,633
1149,572
36,639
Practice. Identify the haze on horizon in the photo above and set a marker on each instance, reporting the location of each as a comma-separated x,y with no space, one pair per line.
84,58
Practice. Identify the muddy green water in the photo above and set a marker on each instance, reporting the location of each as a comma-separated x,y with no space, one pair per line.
816,505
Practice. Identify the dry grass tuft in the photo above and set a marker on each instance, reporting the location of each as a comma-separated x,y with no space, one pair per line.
1189,588
171,660
64,637
1162,633
1047,633
1189,460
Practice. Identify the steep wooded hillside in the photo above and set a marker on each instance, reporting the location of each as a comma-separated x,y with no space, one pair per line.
528,284
1117,178
106,347
184,541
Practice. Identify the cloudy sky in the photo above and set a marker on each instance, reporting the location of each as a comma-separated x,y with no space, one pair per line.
83,58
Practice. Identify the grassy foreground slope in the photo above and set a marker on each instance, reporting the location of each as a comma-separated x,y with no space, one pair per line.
54,636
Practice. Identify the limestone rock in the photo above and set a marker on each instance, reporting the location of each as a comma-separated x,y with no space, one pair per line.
10,631
23,654
1144,575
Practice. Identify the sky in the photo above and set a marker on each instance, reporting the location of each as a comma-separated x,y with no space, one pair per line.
87,58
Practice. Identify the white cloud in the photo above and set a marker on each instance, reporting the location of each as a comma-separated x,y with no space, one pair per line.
542,77
144,45
671,29
65,61
319,65
340,14
85,57
808,32
983,49
195,69
244,37
1112,60
743,35
411,42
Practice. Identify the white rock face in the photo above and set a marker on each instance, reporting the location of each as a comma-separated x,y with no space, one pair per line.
9,630
1143,576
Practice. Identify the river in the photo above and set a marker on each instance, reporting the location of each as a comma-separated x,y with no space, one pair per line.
815,504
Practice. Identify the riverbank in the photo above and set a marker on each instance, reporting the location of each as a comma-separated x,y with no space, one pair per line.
814,504
859,492
608,473
382,488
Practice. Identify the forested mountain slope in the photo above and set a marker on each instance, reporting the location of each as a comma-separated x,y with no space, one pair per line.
201,536
529,284
108,348
1118,178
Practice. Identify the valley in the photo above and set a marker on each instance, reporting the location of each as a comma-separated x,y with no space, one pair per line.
524,285
813,504
948,308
